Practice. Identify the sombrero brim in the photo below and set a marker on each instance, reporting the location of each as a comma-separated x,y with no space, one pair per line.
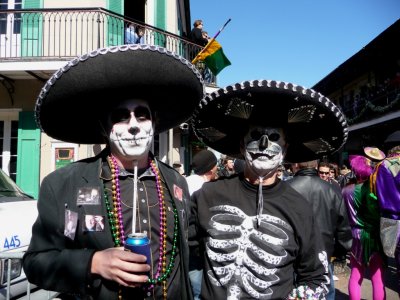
374,153
75,99
315,126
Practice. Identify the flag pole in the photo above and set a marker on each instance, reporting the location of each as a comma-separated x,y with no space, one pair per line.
222,28
210,42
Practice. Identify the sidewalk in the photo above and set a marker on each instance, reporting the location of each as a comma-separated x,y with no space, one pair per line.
343,274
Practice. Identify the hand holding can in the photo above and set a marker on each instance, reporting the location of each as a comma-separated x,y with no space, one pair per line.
139,243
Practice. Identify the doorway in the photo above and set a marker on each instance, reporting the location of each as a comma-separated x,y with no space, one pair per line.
135,10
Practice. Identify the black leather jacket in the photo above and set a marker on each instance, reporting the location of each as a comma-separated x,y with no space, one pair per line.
57,263
329,210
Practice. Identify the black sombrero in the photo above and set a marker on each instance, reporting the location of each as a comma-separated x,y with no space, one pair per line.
75,99
315,127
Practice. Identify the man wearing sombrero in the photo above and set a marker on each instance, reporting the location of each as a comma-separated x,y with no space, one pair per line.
121,96
259,236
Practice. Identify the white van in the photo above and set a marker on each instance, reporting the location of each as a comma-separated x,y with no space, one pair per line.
18,212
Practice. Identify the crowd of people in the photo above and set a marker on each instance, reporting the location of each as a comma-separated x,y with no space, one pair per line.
370,189
263,221
345,202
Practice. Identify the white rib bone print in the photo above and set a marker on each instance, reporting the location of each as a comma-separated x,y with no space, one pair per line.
240,246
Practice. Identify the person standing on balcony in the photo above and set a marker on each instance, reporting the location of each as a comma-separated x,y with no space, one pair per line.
139,34
120,97
130,34
196,35
200,38
134,34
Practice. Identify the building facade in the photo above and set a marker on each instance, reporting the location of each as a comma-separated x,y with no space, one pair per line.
37,37
367,89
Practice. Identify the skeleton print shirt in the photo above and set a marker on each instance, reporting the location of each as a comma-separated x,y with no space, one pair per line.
245,261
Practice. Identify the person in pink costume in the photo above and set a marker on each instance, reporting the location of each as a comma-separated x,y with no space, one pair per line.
386,187
366,250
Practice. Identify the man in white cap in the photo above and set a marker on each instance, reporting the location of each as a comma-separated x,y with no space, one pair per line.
120,96
259,235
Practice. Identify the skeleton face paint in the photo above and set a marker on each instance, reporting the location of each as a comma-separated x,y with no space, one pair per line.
263,149
132,129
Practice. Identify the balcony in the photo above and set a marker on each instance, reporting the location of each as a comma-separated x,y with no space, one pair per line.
376,102
62,34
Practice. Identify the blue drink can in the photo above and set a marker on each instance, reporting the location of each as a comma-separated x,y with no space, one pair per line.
139,243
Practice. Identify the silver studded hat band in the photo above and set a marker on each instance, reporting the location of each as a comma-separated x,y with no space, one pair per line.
314,125
74,100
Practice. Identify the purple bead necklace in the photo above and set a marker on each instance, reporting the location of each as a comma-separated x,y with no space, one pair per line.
117,226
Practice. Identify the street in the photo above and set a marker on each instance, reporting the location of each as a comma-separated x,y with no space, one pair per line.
341,285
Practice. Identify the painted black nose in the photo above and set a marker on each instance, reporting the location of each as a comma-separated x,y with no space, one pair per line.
133,130
263,142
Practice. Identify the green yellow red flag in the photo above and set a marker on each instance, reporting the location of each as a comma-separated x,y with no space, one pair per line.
213,56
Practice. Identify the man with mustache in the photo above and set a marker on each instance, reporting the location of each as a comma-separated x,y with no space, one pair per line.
258,235
120,97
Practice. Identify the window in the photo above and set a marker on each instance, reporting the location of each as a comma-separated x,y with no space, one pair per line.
13,150
13,20
17,17
9,142
3,16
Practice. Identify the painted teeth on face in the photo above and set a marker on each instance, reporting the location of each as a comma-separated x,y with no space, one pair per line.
135,140
269,152
274,149
264,149
132,129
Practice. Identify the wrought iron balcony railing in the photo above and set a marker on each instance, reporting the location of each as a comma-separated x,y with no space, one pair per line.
46,34
374,106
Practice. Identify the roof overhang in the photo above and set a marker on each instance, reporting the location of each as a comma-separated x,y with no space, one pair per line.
19,70
373,122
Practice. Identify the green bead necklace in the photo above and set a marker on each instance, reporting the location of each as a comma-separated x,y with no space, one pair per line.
116,223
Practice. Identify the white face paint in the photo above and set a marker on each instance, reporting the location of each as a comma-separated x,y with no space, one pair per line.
132,130
263,149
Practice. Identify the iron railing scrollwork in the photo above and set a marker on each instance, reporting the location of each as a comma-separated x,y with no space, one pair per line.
48,34
55,33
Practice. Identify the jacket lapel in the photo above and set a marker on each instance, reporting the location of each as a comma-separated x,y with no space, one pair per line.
91,176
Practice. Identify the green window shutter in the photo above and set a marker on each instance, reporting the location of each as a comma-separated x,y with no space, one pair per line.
115,26
31,29
28,154
160,21
160,14
116,6
32,4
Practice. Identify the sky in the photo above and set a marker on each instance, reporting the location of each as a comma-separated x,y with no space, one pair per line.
298,41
